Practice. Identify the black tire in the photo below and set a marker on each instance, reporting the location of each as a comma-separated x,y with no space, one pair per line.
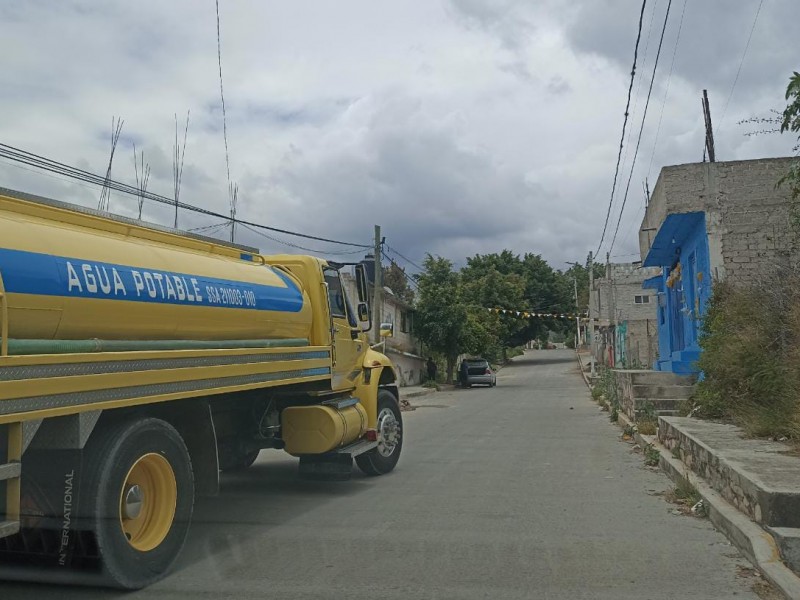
232,462
377,461
110,457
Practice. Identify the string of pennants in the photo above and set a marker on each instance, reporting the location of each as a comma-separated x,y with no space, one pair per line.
524,314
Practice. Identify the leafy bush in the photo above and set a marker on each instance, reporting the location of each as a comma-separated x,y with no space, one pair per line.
750,358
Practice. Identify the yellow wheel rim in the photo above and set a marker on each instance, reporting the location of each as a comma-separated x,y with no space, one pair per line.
147,502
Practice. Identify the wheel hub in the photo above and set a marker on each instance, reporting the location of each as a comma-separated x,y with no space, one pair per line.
132,505
389,432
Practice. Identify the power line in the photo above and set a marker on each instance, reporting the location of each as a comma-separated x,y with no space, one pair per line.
639,85
666,92
741,62
410,279
206,227
641,128
411,262
51,166
293,245
624,124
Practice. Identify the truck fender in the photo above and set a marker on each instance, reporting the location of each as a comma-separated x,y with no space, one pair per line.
378,373
194,422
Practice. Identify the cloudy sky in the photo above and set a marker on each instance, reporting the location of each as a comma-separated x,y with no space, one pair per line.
460,126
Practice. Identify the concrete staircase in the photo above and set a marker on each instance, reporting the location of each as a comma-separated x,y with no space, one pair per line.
638,390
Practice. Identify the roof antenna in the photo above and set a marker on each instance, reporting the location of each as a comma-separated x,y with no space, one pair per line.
105,192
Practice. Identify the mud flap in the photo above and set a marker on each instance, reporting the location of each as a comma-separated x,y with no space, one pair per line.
327,467
52,534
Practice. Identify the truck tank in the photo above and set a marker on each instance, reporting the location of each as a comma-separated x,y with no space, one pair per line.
69,275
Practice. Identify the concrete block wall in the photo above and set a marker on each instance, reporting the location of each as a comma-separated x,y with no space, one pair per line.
747,217
627,281
757,235
642,341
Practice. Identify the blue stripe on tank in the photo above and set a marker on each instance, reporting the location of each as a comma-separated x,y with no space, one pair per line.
49,275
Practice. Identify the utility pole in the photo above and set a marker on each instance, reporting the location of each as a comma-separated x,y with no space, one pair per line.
377,288
709,141
613,306
577,317
590,338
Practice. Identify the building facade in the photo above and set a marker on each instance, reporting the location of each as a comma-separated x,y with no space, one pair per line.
624,317
706,222
403,347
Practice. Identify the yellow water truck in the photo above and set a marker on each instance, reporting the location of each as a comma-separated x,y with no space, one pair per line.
136,362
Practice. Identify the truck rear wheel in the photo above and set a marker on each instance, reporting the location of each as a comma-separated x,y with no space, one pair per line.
140,499
383,459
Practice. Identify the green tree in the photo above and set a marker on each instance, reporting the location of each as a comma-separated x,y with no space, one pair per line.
441,315
526,283
790,121
395,278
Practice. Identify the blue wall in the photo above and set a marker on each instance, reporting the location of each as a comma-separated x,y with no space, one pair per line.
680,248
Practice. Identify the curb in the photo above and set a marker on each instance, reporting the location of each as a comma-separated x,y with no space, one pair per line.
418,394
755,543
583,373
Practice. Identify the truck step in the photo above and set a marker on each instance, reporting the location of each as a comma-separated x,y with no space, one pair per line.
10,470
8,528
340,403
357,448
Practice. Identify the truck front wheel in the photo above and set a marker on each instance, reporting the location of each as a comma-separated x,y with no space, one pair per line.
383,459
140,492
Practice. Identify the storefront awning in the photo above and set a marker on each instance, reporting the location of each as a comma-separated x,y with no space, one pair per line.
673,232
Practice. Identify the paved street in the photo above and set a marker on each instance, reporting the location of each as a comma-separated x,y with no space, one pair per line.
521,491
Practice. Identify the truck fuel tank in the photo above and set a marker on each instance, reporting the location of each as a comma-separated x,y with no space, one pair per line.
321,428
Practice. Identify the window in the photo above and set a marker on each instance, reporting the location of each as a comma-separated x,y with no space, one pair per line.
335,293
404,321
641,299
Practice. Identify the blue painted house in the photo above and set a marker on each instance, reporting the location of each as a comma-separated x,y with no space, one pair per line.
706,221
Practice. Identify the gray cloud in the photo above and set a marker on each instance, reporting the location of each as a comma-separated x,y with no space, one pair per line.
461,126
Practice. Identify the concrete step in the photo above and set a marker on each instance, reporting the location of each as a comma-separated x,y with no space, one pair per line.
757,476
668,407
645,377
662,391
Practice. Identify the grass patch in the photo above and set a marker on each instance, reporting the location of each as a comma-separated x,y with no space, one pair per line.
651,455
647,427
687,492
647,419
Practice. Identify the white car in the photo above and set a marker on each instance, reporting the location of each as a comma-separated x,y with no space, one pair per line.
478,371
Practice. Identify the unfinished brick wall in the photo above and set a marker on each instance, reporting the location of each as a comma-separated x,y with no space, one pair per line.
757,235
747,217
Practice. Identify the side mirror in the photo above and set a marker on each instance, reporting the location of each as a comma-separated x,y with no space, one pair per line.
387,329
361,284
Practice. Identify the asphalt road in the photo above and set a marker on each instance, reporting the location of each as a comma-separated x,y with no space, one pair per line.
519,491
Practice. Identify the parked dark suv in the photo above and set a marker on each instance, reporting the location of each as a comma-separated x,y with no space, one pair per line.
476,371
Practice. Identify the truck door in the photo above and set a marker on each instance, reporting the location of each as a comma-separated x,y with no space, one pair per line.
349,349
